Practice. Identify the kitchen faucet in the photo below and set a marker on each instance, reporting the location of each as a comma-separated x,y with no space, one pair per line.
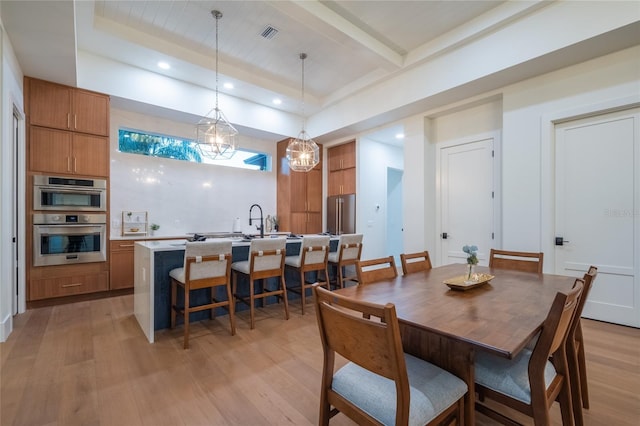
261,227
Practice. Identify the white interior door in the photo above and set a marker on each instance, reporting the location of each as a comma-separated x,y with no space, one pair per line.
395,238
597,211
466,173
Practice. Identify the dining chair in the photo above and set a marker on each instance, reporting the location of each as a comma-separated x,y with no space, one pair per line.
516,260
266,260
415,262
372,270
380,384
207,264
314,251
575,352
348,252
534,379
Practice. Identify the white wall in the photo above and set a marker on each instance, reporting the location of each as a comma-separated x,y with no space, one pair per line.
181,196
373,160
12,97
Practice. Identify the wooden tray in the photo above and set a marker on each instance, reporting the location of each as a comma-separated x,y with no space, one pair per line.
461,283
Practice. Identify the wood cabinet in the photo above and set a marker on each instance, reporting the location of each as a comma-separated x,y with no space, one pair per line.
66,108
342,169
58,151
47,282
121,264
299,196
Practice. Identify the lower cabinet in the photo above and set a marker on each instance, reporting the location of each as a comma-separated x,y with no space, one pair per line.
47,288
121,261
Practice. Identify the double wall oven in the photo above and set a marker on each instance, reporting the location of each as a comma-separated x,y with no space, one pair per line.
69,222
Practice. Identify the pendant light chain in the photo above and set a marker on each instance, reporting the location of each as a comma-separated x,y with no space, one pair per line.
303,56
216,14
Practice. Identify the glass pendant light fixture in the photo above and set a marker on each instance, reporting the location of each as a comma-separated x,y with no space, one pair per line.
215,136
303,153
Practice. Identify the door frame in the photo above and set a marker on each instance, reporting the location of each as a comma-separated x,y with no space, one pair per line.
548,164
496,135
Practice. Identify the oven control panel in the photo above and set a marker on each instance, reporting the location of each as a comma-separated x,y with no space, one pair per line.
68,219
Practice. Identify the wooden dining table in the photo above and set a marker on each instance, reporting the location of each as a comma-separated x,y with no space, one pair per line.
446,327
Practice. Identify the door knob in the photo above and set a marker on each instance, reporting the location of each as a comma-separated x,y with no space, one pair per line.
561,241
445,236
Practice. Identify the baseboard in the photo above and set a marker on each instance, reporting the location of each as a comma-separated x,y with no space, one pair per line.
6,327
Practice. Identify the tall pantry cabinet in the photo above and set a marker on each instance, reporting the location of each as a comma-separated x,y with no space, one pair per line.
299,196
67,135
342,169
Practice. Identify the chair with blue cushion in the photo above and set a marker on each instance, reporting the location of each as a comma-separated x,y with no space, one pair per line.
207,264
380,384
534,379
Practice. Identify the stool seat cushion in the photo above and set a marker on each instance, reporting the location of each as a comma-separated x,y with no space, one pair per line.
177,274
242,266
295,261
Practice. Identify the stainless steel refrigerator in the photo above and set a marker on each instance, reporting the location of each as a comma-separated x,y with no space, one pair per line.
341,214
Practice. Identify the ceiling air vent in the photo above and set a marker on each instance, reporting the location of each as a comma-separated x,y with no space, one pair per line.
269,32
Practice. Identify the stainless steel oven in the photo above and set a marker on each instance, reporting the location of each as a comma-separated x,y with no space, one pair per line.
69,193
61,239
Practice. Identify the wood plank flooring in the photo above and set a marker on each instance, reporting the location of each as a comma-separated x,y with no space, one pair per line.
88,363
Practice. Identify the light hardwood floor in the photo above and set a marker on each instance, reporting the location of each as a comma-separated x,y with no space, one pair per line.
88,363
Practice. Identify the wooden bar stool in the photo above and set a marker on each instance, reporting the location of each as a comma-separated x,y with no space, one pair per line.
266,260
207,264
348,252
313,255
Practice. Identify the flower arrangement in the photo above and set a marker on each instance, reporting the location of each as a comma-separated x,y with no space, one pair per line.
472,260
472,254
154,226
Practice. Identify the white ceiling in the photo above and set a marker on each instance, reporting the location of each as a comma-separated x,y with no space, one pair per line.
351,45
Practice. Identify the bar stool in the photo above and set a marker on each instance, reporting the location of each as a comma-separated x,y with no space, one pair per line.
266,260
313,255
348,253
207,264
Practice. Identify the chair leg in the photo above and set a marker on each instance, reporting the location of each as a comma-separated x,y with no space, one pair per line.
326,278
232,314
283,286
573,376
584,389
339,276
565,405
186,317
251,303
303,290
174,291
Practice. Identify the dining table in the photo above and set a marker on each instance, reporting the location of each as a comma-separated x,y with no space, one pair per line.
446,326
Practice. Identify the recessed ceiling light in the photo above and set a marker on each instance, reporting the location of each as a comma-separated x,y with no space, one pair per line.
277,101
228,85
164,65
399,135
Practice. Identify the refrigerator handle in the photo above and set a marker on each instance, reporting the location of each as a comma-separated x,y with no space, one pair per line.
337,221
340,206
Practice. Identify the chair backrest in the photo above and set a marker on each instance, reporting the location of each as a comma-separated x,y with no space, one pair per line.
314,249
346,328
516,260
207,259
553,335
350,246
373,270
267,254
588,279
415,262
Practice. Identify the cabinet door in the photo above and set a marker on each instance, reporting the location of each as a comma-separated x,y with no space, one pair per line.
50,150
314,191
349,155
335,157
298,223
298,192
121,265
90,155
91,113
46,288
349,181
49,105
314,223
334,183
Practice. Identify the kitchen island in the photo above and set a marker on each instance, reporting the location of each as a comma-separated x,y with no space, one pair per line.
152,286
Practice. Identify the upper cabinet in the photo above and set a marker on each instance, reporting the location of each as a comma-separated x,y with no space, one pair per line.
342,169
299,196
62,107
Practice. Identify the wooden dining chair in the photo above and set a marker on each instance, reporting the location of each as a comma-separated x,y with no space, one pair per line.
575,352
314,251
516,260
348,252
372,270
207,264
415,262
266,260
380,384
534,379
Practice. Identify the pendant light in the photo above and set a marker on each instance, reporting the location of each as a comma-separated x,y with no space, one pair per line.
303,153
215,136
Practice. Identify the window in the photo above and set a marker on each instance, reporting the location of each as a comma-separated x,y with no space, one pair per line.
135,142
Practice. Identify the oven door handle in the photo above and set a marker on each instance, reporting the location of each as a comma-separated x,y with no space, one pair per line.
69,229
71,191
